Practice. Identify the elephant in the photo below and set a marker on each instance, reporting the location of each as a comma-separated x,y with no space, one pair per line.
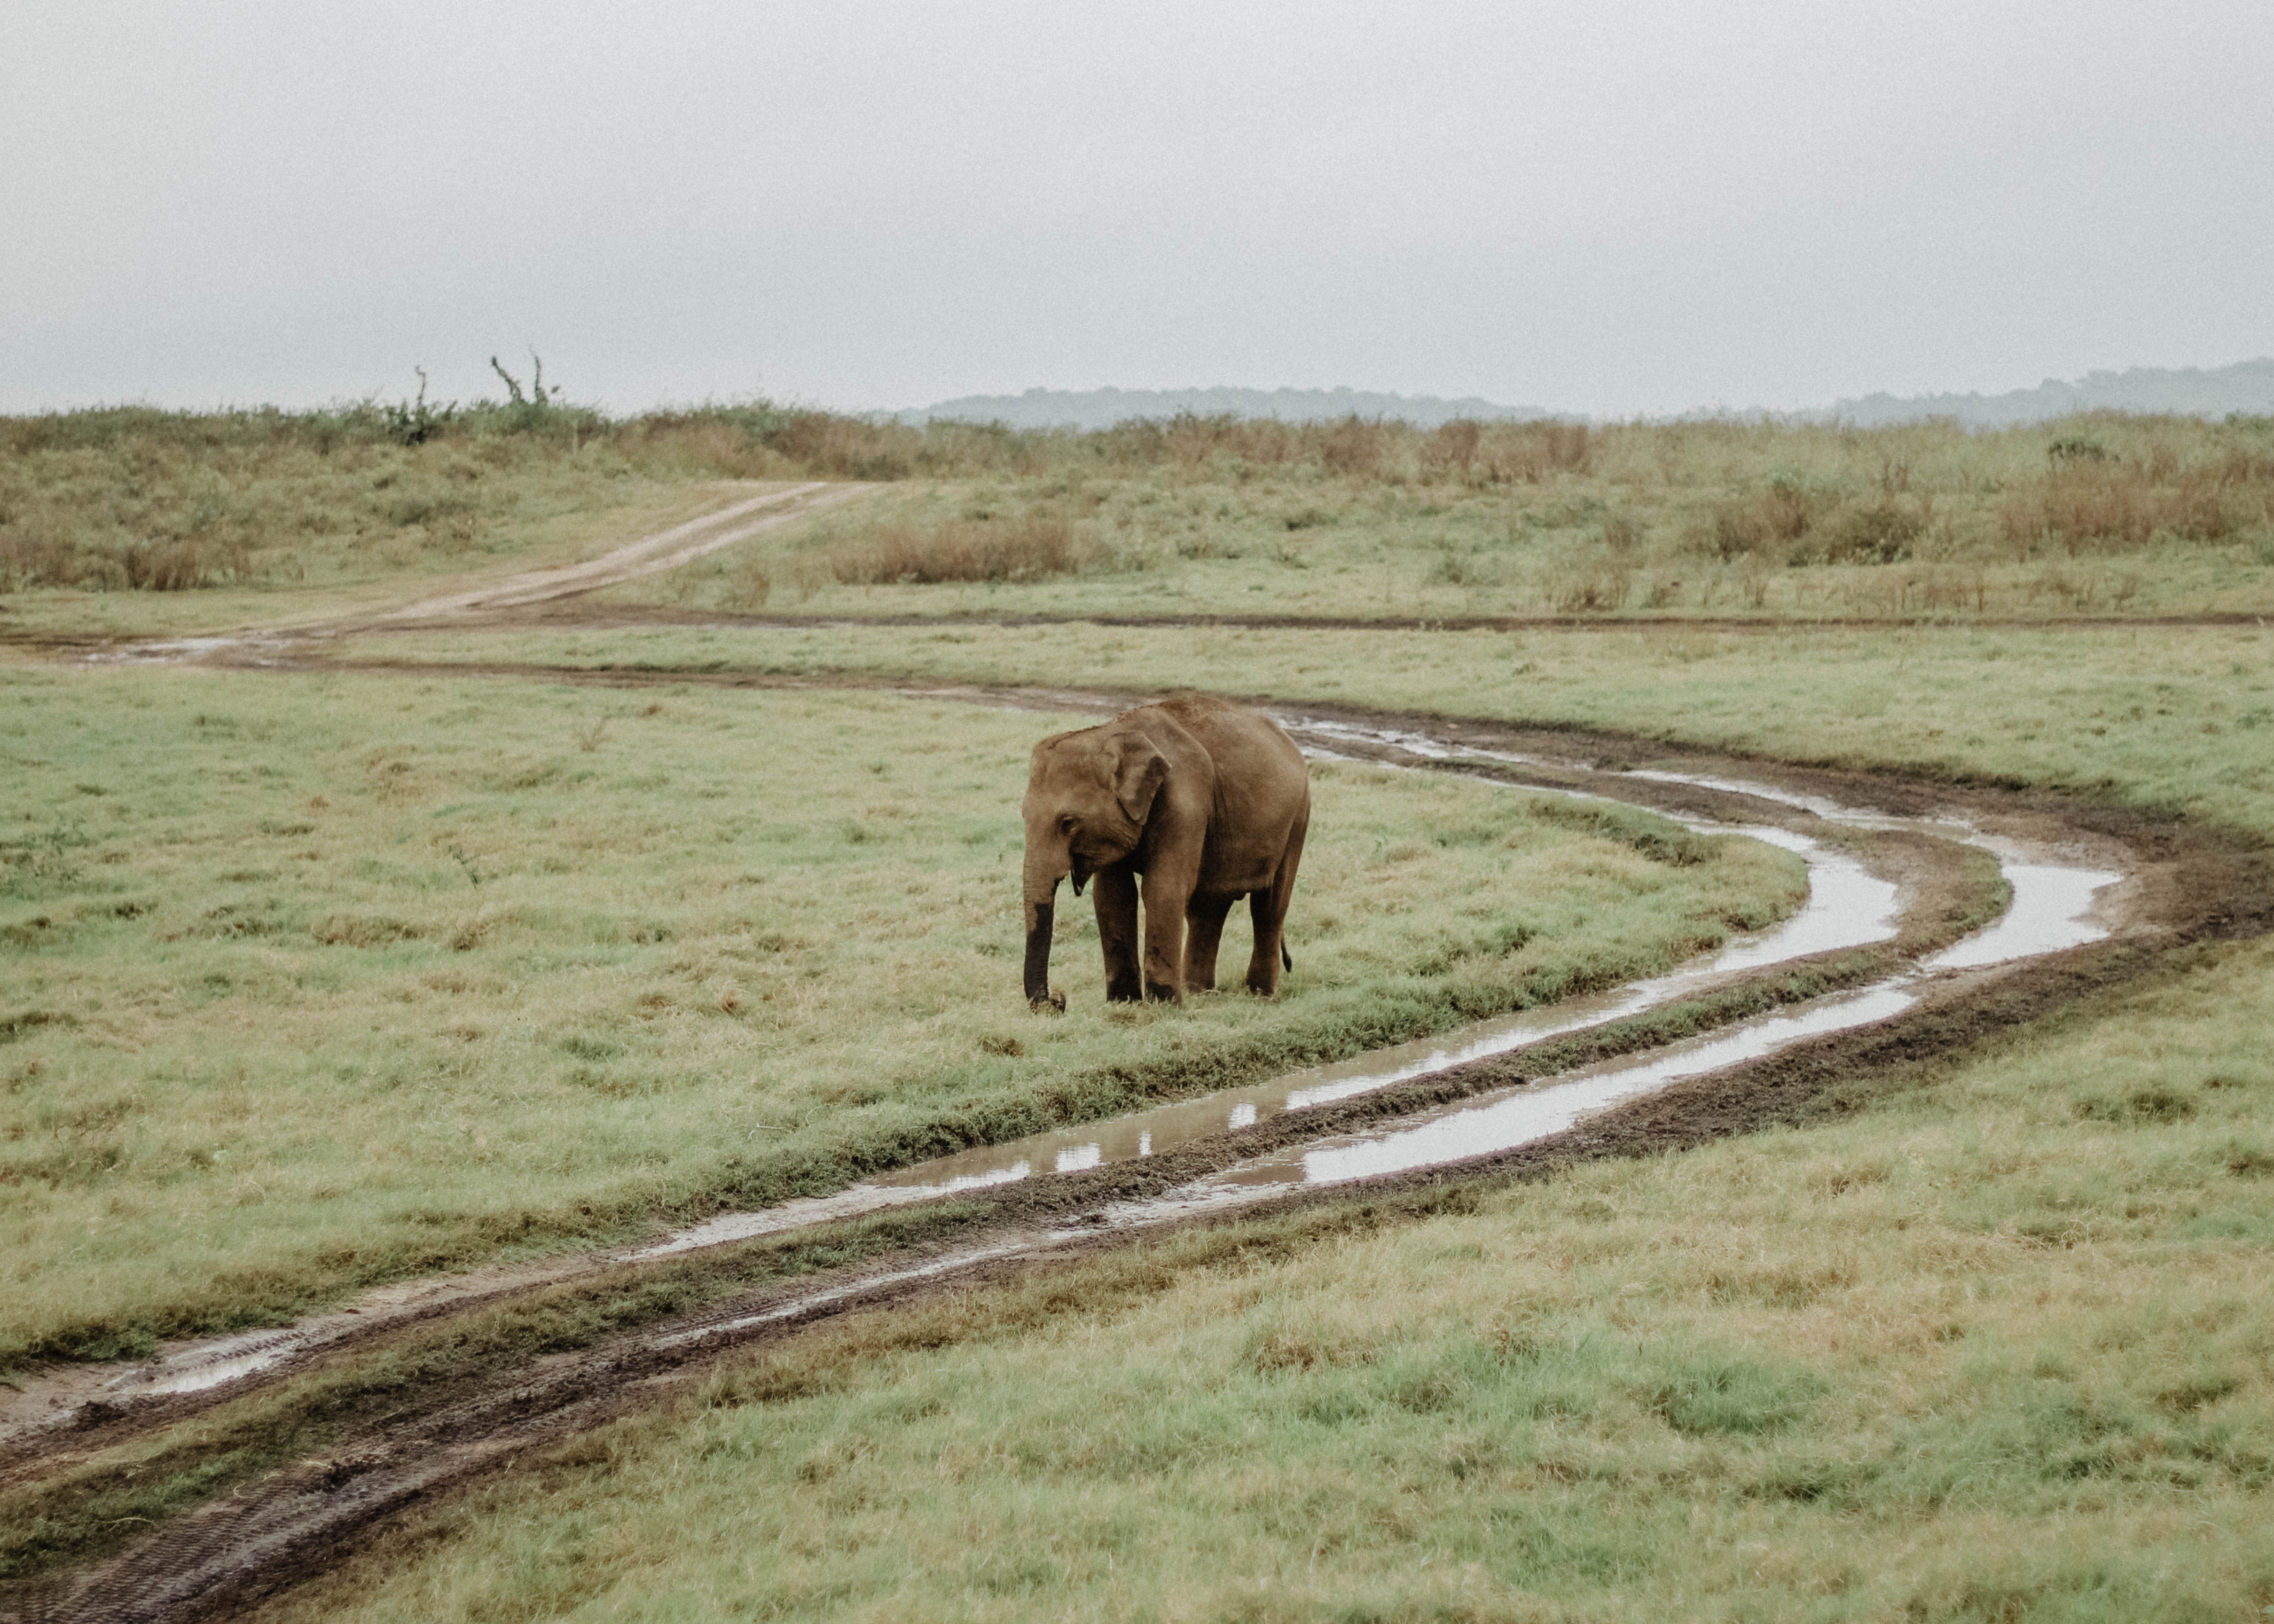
1207,801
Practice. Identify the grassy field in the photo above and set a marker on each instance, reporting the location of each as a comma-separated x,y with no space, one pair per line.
124,521
312,982
155,525
1988,1347
1656,523
1993,1350
306,981
2177,719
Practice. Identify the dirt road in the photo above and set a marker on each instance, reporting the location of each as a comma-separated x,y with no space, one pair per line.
683,544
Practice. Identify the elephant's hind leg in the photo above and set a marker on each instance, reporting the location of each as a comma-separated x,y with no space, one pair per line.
1204,919
1268,909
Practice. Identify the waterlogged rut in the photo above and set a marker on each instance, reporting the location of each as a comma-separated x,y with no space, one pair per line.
2056,903
1868,930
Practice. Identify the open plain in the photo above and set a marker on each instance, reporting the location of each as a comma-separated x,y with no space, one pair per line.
424,971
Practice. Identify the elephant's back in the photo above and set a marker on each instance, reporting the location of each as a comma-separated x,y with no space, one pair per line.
1262,791
1236,734
1245,745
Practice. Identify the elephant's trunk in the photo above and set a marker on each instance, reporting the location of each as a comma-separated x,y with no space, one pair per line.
1038,951
1045,866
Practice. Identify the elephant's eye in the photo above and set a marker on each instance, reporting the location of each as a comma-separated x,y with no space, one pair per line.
1066,823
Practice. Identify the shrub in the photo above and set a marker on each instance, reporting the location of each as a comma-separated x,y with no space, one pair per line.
1599,585
1354,446
1529,452
1454,445
1883,534
1764,522
2087,505
176,566
962,549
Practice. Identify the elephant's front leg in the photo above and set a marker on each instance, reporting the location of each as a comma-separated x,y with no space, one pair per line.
1115,897
1166,898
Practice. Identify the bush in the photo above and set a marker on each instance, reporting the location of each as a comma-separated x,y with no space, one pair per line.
130,497
1763,523
1883,534
962,549
2091,506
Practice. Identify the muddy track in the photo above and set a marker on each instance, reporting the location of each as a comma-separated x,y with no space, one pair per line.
391,1447
586,616
554,602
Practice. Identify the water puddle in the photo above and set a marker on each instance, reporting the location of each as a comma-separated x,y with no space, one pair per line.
178,651
812,1300
1819,805
2053,908
208,1365
1493,1123
1848,906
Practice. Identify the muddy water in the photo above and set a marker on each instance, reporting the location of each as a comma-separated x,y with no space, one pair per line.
2054,906
1492,1124
1847,907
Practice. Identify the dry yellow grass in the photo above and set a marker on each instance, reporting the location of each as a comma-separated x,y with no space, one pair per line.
2101,515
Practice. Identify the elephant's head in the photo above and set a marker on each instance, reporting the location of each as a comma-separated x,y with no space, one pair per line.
1087,797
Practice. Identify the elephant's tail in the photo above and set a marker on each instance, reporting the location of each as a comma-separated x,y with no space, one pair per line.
1286,958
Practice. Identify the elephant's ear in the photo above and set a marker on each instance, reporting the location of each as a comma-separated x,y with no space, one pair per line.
1138,776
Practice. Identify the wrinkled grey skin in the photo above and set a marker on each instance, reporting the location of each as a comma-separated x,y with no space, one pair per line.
1200,800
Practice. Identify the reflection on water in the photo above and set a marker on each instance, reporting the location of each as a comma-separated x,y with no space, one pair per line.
1496,1123
206,1364
805,1304
2053,908
1847,907
1819,805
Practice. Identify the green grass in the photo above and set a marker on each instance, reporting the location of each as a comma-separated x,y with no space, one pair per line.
312,982
1993,1348
290,537
2103,516
2181,718
1988,1346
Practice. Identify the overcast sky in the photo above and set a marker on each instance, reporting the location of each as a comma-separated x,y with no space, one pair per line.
1591,206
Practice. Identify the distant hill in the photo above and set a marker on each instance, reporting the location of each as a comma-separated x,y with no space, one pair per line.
1099,409
2187,391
